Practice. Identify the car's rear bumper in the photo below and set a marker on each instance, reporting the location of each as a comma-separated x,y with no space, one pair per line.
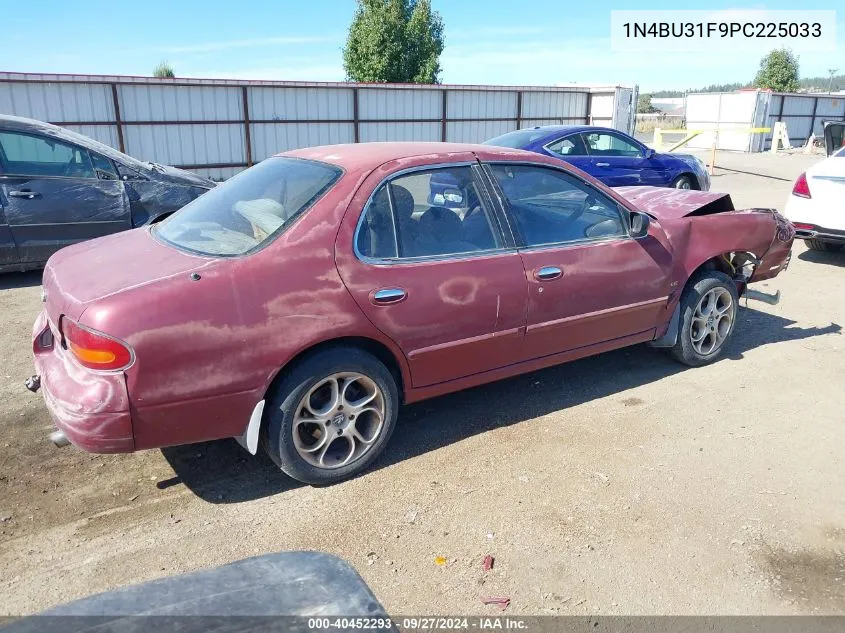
812,215
820,233
90,408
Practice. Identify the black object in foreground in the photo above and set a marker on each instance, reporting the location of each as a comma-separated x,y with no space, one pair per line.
256,594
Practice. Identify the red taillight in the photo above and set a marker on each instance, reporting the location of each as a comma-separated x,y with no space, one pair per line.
94,349
801,226
801,188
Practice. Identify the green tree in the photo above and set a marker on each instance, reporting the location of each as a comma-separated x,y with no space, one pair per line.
394,41
644,104
164,70
778,71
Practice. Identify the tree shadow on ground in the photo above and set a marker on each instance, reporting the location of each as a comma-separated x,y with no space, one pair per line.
222,472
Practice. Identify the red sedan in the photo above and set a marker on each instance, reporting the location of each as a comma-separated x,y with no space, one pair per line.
298,305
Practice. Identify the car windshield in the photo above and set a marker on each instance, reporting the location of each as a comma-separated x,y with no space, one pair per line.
517,139
249,209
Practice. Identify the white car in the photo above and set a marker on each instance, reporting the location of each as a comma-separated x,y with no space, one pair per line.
817,204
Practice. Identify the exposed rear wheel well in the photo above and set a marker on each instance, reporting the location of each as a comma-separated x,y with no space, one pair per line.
379,350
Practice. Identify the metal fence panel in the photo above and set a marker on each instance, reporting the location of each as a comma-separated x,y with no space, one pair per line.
392,103
392,131
565,106
831,107
799,105
803,114
723,112
300,104
104,133
180,103
542,122
477,131
217,173
272,138
481,104
218,126
57,101
187,144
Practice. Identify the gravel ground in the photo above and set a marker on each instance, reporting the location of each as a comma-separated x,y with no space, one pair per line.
623,483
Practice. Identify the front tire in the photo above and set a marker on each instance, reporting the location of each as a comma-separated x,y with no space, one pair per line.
820,245
683,182
709,306
331,416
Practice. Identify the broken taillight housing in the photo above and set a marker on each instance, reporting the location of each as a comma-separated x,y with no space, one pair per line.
801,188
94,349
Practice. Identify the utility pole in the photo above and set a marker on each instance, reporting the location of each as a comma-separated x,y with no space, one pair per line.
832,72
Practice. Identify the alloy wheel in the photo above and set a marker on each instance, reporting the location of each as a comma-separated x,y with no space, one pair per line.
712,321
338,420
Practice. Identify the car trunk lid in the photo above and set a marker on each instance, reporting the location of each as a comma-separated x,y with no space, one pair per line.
80,274
666,204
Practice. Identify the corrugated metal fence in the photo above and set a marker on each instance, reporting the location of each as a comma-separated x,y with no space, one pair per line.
804,114
217,127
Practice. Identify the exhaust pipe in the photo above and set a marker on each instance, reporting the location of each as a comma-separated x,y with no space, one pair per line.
771,299
59,439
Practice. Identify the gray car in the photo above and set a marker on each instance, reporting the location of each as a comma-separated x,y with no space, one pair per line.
58,187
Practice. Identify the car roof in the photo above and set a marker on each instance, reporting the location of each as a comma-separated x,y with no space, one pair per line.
571,129
23,124
355,156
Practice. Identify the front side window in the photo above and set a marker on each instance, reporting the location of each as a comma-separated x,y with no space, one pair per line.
552,207
569,146
103,166
29,155
605,144
249,209
427,213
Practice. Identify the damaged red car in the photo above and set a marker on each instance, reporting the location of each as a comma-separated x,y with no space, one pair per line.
298,305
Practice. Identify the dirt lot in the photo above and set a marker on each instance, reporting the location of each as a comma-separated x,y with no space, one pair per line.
624,483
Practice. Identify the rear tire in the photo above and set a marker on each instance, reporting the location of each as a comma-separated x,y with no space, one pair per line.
331,416
819,245
709,306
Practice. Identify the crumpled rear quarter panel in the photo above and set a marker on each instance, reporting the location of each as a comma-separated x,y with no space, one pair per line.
91,408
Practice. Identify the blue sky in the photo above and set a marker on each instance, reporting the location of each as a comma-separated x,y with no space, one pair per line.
498,42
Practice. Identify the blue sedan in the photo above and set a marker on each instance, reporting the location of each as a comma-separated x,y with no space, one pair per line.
618,160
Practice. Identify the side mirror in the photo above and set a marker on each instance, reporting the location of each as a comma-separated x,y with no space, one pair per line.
639,224
649,153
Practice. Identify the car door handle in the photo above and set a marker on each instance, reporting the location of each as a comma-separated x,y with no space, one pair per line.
29,195
547,273
602,164
386,296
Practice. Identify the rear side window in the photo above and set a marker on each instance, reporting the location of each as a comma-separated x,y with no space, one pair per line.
249,209
518,138
29,155
437,212
569,146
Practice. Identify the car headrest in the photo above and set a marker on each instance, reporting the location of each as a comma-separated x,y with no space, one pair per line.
403,201
441,223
